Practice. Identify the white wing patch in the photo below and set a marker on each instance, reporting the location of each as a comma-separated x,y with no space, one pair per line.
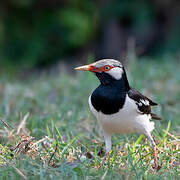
145,102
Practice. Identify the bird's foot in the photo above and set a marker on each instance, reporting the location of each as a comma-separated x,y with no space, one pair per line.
156,166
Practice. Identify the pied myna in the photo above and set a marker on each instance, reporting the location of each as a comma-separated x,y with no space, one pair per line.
118,107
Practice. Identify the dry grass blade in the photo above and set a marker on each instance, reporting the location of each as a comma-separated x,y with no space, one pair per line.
169,134
15,168
6,124
26,146
20,173
53,154
17,146
104,175
22,124
41,140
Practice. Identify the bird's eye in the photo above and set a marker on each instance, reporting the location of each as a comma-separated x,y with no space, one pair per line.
106,68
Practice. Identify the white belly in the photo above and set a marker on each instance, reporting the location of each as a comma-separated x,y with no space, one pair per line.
127,120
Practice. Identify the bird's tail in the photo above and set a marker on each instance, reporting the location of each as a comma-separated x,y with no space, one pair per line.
154,116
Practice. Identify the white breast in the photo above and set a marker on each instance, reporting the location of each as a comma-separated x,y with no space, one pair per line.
127,120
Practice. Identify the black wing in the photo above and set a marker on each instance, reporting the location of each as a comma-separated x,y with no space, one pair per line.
143,103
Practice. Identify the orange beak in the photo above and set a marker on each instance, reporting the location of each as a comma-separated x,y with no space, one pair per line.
84,68
89,67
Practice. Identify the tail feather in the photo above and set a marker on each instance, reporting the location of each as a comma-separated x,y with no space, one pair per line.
154,116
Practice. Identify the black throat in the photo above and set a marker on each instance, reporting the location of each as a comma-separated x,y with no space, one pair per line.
110,96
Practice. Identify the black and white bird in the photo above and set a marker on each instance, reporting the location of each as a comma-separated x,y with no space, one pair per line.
118,107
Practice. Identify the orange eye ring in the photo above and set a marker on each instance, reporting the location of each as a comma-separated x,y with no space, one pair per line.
107,68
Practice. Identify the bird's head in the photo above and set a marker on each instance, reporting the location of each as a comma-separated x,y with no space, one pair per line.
107,70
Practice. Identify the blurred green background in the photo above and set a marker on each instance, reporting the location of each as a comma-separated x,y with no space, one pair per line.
39,33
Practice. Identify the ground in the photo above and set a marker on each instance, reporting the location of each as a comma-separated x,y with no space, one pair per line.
51,134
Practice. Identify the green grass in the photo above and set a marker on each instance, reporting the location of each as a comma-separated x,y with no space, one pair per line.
55,108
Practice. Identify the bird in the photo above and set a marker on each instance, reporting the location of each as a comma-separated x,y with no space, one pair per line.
119,108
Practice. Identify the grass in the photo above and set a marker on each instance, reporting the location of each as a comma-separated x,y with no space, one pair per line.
54,135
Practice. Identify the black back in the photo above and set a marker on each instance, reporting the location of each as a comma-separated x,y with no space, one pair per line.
137,96
139,99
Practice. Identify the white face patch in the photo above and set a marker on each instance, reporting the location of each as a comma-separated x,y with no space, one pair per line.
115,72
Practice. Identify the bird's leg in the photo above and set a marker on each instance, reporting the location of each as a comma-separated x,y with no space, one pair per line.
108,144
153,147
151,140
